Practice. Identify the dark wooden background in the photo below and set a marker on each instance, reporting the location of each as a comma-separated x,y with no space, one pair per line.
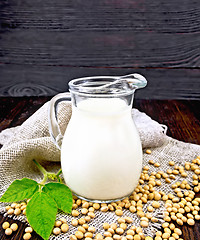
44,44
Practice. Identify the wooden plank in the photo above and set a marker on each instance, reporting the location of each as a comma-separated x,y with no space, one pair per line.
14,111
106,33
121,48
48,81
181,117
108,15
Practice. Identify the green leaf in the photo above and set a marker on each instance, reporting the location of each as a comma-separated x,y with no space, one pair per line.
41,214
61,194
20,190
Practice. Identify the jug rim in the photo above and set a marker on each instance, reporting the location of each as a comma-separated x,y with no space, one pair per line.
105,86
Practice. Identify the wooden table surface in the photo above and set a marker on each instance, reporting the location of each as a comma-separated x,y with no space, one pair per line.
181,116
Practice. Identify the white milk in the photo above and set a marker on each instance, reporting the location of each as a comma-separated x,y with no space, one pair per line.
101,153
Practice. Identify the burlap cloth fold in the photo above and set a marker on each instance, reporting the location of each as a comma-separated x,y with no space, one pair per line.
31,140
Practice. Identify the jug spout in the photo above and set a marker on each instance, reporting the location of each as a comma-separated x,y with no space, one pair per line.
128,83
134,80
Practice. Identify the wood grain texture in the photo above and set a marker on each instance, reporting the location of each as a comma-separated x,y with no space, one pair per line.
100,49
45,43
181,117
48,81
14,111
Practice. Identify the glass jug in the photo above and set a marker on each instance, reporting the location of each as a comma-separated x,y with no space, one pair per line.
101,153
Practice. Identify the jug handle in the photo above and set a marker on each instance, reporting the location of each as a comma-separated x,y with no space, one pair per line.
54,128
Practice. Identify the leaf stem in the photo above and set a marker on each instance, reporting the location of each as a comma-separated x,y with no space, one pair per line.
44,179
59,172
40,167
48,175
58,176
